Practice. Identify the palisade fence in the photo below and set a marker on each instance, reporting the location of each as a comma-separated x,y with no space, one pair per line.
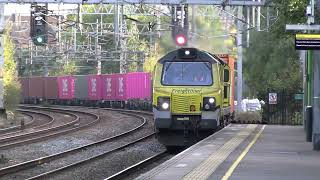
284,108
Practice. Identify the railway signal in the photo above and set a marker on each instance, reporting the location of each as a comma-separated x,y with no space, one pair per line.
38,25
180,24
181,40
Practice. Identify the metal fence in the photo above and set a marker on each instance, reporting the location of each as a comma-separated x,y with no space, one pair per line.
283,108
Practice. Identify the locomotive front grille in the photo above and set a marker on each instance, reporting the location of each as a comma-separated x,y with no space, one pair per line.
181,104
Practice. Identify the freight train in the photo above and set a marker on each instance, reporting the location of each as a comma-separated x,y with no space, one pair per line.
130,90
192,95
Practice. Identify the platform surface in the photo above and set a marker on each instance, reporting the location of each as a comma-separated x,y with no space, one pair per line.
245,152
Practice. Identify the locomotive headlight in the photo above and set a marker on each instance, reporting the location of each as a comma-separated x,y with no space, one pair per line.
209,103
211,100
165,105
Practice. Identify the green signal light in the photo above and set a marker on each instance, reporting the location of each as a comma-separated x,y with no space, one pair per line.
39,39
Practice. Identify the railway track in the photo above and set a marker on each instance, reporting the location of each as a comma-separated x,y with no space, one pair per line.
11,141
87,160
32,164
32,124
122,174
18,127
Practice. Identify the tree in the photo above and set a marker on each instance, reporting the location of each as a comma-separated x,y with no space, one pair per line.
12,87
272,62
68,68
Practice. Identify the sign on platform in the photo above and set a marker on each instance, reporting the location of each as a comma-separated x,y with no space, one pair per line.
298,96
272,98
307,41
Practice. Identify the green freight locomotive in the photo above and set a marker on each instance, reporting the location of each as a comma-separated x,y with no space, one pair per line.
192,92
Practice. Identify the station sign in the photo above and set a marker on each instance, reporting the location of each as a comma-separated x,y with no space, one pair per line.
272,98
307,41
298,96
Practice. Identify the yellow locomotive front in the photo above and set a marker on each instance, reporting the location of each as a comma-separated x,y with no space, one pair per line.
187,96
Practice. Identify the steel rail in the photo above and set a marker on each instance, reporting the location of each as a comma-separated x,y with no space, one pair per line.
45,159
46,174
12,128
35,127
24,135
50,132
136,166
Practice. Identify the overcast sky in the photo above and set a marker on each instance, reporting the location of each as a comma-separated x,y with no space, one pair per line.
25,9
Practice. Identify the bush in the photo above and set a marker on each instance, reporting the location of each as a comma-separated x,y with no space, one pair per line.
248,117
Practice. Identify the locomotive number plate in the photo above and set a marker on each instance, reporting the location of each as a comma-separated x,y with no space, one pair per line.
182,118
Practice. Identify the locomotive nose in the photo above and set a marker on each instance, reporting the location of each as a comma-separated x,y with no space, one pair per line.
186,101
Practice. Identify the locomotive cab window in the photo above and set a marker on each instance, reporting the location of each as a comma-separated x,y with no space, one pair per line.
226,75
187,74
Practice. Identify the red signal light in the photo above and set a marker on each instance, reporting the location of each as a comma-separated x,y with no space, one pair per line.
181,40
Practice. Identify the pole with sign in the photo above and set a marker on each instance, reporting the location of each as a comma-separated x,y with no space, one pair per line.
272,98
310,42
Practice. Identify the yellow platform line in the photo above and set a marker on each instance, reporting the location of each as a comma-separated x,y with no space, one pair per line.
208,166
242,155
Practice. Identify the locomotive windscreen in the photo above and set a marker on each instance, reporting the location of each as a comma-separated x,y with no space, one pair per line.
187,74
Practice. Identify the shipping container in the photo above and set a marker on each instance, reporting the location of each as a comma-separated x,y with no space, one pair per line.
81,87
138,86
94,87
230,61
50,87
108,86
120,87
24,81
66,86
36,87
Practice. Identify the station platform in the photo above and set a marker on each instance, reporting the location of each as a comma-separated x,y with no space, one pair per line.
245,152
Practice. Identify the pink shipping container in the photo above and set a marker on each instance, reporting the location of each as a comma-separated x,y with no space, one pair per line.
94,87
120,87
138,85
128,86
36,87
66,87
108,86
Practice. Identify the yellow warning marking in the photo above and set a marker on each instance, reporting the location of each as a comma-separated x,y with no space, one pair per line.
208,166
242,155
308,36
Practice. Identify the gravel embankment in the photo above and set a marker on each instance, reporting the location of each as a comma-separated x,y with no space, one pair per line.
111,123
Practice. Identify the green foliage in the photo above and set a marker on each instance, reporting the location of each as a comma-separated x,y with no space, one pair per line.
12,87
68,68
272,62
